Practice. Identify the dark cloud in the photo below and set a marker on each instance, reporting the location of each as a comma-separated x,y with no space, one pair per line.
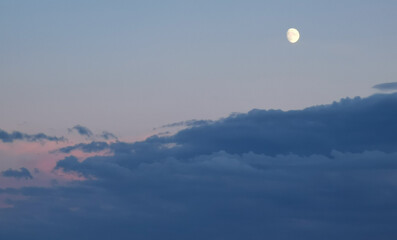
351,125
386,86
326,172
344,196
84,131
15,135
21,173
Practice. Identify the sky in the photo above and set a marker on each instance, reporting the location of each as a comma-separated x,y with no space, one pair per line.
149,63
198,120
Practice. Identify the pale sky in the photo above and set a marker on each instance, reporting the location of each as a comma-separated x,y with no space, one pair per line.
129,66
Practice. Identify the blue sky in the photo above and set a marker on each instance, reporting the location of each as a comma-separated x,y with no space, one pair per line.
198,120
148,63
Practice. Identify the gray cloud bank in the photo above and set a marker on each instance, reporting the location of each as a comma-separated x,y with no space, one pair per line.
325,172
351,125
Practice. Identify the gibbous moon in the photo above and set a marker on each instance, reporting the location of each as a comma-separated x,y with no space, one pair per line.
293,35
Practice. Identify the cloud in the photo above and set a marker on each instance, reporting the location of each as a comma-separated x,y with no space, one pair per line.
15,135
85,147
386,86
84,131
325,172
107,135
188,123
351,125
21,173
229,195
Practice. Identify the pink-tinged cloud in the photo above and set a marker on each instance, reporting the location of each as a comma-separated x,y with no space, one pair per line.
40,158
37,158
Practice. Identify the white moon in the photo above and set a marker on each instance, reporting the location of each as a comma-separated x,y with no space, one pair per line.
293,35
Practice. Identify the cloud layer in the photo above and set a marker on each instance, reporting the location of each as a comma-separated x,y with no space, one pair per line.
351,125
325,172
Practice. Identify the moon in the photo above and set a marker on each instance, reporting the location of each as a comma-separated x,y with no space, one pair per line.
293,35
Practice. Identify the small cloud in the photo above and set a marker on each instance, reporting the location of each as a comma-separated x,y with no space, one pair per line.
386,86
15,135
188,123
85,147
84,131
68,164
166,133
107,135
21,173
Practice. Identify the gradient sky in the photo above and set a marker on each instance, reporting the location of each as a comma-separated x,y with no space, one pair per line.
198,120
130,66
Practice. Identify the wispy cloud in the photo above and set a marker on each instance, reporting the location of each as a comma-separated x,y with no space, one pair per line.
85,147
188,123
107,135
386,86
84,131
15,135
